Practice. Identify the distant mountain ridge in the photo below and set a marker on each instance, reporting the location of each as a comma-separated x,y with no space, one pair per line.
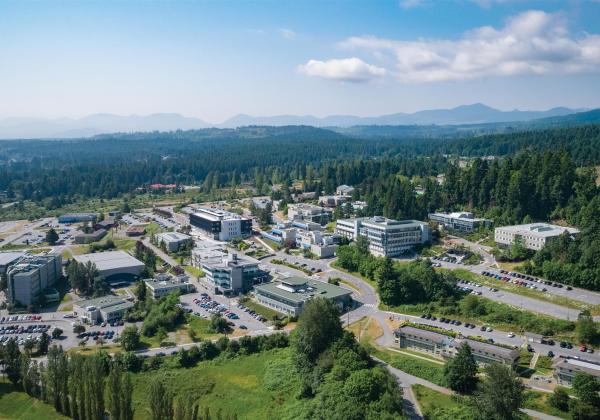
91,125
19,128
465,114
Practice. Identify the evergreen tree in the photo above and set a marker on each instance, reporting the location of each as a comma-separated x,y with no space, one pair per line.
500,394
461,371
160,401
113,384
586,329
127,410
51,236
12,362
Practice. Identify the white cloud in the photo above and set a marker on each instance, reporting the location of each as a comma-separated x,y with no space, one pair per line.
344,69
287,33
409,4
533,42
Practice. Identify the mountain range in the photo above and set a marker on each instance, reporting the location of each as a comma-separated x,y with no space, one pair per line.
18,128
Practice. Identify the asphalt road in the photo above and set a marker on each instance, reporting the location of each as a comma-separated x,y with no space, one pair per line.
368,302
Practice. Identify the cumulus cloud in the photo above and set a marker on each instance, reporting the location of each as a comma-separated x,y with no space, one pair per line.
533,42
344,69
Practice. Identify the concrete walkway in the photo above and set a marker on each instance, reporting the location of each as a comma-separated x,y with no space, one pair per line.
406,380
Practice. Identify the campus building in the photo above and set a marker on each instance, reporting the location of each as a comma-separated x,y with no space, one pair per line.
220,224
136,230
321,244
289,294
164,284
31,275
88,238
102,309
565,369
231,274
7,259
309,213
78,218
344,190
459,221
386,237
113,265
533,235
173,241
446,346
332,200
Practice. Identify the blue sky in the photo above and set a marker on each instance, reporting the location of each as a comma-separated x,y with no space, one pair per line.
214,59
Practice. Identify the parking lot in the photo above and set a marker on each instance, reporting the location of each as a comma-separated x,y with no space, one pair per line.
204,304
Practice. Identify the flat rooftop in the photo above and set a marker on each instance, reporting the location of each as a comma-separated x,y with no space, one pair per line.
109,260
173,236
391,223
463,215
9,257
216,214
539,229
112,302
313,288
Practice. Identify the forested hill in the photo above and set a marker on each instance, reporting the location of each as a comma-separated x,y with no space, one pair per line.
582,142
109,165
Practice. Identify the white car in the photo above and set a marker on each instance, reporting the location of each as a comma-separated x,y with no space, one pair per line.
510,335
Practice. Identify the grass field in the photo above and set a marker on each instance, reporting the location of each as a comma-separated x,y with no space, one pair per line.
259,386
366,329
543,365
416,366
262,310
536,400
194,271
18,405
368,280
436,405
200,326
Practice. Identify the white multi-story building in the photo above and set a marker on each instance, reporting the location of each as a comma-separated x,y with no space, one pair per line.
309,213
533,235
231,274
459,221
164,284
220,224
386,237
30,275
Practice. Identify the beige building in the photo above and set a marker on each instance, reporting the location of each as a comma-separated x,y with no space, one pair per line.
565,369
533,235
445,346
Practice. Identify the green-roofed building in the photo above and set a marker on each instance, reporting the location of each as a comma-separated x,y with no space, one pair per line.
288,295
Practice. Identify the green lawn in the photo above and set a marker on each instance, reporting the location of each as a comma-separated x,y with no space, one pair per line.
271,243
201,326
194,271
536,400
262,310
18,405
543,365
356,274
424,369
436,405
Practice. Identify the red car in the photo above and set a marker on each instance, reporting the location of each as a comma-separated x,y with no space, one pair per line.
582,348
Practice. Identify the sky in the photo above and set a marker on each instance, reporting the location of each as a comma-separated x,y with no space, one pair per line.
215,59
